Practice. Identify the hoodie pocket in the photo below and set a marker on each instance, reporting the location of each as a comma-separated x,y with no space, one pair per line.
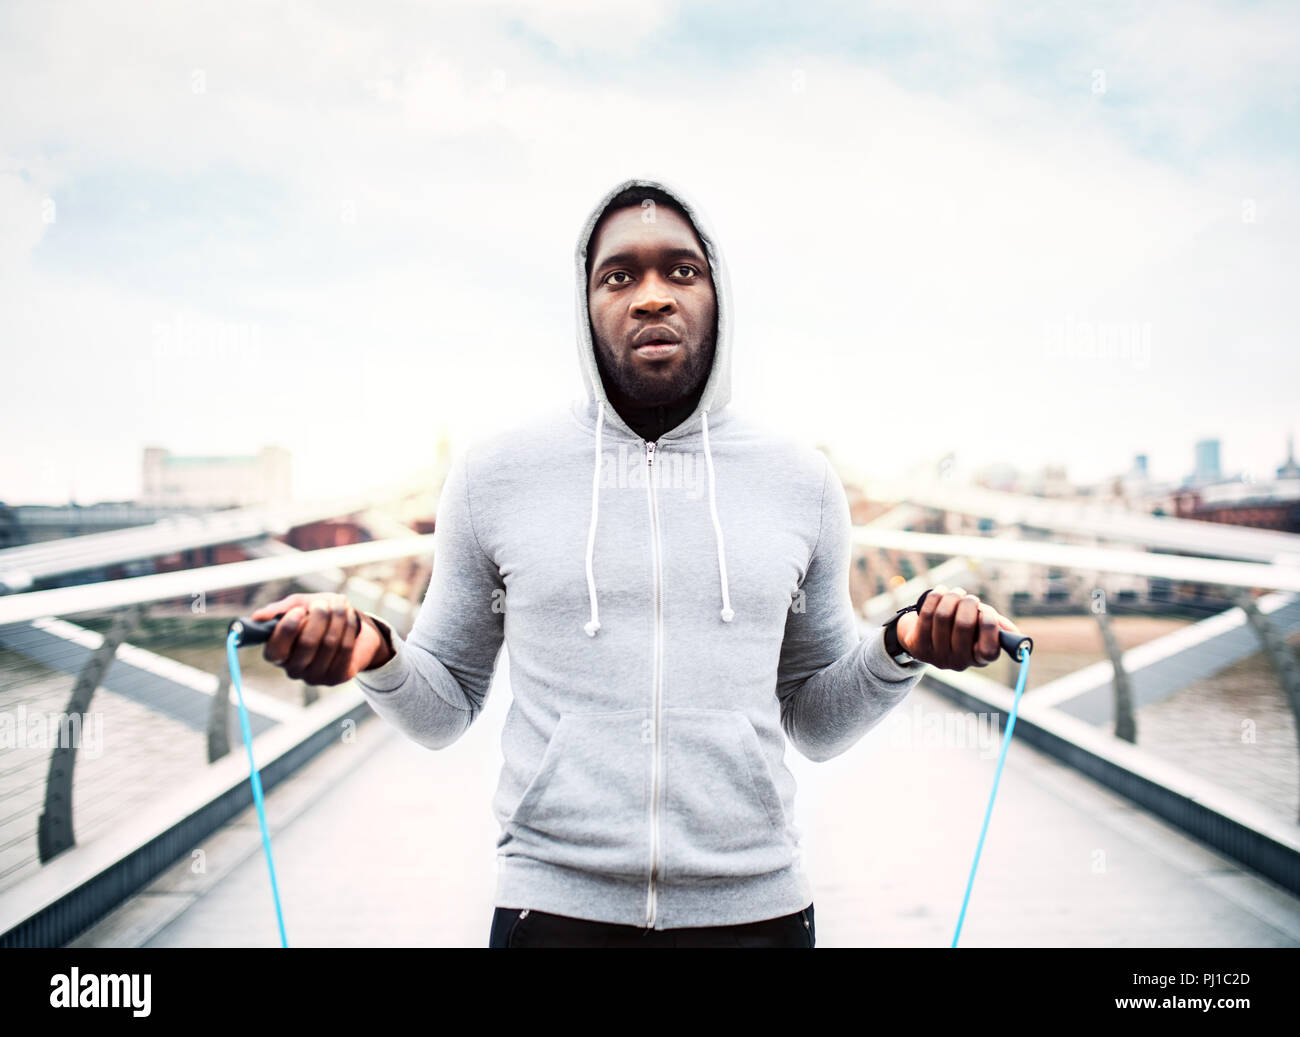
588,804
722,813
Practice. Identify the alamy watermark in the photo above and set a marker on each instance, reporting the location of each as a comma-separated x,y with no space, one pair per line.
21,728
188,339
1106,341
945,729
671,470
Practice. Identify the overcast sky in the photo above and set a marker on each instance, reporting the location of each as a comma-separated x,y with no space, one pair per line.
344,228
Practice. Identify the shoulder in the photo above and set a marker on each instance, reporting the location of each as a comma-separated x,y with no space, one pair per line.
789,457
521,442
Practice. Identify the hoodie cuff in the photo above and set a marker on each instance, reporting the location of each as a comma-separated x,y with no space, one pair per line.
882,666
392,674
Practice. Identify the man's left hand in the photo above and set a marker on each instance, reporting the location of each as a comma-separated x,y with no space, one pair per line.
952,630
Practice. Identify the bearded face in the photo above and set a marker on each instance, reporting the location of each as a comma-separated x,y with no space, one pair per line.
625,376
652,308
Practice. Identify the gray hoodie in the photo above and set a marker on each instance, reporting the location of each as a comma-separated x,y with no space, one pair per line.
674,612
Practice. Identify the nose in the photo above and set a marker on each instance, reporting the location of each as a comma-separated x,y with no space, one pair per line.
652,297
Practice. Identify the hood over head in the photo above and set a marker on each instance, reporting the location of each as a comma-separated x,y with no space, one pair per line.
717,388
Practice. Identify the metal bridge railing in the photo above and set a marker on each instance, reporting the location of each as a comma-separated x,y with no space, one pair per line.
114,693
1199,668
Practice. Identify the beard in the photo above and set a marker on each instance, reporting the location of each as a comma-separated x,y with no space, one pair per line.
621,375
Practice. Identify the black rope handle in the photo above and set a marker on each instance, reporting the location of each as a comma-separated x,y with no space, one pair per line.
1012,643
252,631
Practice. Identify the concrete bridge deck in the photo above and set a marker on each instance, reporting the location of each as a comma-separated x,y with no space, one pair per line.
379,842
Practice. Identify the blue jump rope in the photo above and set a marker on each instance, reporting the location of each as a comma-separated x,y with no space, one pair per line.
1018,647
255,631
1021,653
243,632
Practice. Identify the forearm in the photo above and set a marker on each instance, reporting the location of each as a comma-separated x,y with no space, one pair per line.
828,711
429,702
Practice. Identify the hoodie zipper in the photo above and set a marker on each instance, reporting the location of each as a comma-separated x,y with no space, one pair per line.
658,680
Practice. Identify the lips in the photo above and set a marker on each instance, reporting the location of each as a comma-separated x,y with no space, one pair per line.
659,336
659,351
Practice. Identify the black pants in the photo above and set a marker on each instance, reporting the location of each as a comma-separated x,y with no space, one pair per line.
515,927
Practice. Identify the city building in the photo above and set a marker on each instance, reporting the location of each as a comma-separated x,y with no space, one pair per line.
1207,463
169,480
1289,469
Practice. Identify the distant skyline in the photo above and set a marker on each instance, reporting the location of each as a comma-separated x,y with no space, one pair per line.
956,468
1031,235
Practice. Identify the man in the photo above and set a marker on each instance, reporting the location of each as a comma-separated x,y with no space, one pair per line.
671,582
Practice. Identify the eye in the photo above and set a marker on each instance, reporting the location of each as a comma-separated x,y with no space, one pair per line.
690,270
617,273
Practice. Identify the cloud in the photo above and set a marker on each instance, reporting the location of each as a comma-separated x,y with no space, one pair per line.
390,197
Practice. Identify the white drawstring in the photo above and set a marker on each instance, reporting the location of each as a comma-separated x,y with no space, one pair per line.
594,625
728,613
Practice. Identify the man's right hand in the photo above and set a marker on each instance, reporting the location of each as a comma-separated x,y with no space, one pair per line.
322,639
